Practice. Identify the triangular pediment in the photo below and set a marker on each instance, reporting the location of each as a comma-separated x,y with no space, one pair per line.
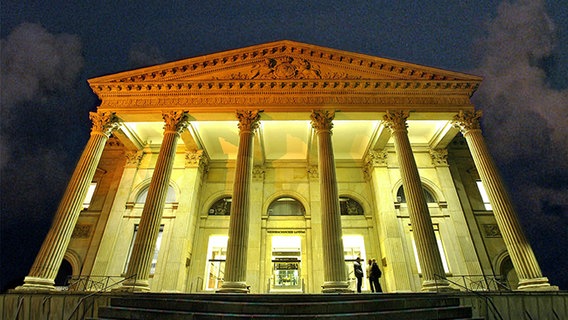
284,60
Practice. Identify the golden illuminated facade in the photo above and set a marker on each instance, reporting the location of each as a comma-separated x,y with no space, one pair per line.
271,168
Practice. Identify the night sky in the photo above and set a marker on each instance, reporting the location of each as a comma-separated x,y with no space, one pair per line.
50,48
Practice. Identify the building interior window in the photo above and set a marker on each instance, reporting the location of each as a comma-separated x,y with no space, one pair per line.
484,195
170,197
286,206
156,249
89,197
440,249
350,207
216,256
221,207
286,258
401,198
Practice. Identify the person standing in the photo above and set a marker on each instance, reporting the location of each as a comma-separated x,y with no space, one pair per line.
375,276
358,270
370,276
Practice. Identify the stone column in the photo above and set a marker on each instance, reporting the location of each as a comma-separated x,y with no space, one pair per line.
520,251
237,246
139,266
47,263
422,228
335,274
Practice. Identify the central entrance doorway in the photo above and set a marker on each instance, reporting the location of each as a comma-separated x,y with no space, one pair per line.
286,264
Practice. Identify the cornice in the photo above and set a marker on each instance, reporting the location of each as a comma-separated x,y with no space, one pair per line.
273,86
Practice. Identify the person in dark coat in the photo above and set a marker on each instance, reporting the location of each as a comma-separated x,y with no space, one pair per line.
358,270
375,276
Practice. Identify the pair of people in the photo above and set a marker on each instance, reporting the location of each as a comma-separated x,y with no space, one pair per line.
373,273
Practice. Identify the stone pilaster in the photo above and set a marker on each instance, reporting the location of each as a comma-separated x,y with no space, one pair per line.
140,262
422,228
335,274
453,211
46,265
520,251
237,246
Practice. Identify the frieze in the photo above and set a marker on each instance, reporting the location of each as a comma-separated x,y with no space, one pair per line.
265,101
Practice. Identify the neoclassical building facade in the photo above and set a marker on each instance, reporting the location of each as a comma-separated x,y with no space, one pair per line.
270,168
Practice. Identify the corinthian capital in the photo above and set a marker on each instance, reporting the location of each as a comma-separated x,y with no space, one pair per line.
248,120
396,121
176,121
322,119
439,157
104,122
467,120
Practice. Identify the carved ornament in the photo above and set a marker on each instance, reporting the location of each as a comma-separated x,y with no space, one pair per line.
133,158
176,121
104,122
248,120
322,119
396,120
467,120
439,157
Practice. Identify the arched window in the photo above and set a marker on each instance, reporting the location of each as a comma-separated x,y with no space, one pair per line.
170,197
350,207
400,197
221,207
286,206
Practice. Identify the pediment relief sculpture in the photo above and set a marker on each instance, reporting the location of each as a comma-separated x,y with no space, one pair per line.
284,60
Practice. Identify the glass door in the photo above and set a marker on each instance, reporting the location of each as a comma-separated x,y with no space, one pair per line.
286,258
216,256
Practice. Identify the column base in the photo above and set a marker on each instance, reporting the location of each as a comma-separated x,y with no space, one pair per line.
234,287
439,285
136,285
36,284
336,287
536,284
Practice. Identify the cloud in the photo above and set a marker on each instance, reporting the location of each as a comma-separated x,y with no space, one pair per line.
525,120
143,55
39,73
35,62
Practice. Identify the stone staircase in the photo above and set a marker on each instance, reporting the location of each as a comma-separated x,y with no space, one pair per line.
285,306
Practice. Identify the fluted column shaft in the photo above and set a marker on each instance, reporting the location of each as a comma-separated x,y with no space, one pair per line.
237,245
520,251
140,263
47,262
422,228
335,274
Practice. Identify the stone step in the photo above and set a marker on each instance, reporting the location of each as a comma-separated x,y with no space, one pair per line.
322,306
449,313
277,306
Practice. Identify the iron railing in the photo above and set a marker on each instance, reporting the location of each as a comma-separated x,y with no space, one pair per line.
477,293
480,282
93,283
89,283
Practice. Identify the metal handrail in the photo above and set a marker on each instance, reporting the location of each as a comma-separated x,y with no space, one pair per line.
487,299
97,292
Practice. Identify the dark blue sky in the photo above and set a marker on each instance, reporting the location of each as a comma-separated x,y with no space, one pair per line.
50,48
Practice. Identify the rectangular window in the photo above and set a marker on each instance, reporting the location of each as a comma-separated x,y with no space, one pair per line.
89,197
440,249
156,249
484,196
